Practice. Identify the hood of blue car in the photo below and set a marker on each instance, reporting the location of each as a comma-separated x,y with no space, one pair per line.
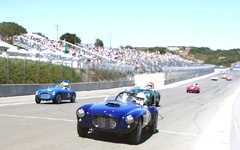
114,108
48,90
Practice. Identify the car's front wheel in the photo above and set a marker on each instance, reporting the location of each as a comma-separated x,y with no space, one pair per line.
135,135
73,98
38,101
58,99
82,131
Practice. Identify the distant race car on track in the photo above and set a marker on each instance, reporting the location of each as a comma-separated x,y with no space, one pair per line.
229,78
215,78
127,113
224,76
195,88
61,90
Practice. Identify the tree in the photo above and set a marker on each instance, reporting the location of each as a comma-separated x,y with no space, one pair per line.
98,43
162,50
129,46
71,38
40,34
9,29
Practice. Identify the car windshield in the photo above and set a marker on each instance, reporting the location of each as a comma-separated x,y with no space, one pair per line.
127,97
123,97
59,85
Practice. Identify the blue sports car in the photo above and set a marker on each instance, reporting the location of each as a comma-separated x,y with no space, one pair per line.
61,90
127,113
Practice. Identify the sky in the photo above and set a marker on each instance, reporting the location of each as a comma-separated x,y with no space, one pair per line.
139,23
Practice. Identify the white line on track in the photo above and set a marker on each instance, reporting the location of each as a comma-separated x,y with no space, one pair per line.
23,103
79,97
33,117
180,133
12,104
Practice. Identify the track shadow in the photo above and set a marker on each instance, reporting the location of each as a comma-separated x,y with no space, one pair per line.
52,103
116,138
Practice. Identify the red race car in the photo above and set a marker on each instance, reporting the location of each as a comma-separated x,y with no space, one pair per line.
195,88
229,78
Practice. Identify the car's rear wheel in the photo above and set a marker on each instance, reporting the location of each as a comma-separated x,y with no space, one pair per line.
153,101
58,99
153,127
73,98
38,101
135,135
82,131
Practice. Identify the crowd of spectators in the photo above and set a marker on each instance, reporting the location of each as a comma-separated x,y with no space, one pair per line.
141,60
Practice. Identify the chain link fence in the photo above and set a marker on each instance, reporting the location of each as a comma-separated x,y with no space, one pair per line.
15,69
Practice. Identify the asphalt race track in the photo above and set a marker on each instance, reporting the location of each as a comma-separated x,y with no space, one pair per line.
184,120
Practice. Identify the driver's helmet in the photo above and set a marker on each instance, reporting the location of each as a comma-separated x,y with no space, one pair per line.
65,84
141,98
150,85
196,84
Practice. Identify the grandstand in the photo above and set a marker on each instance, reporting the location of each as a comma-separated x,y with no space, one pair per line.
141,61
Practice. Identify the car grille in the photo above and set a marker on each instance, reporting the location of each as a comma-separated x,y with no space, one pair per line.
45,95
104,121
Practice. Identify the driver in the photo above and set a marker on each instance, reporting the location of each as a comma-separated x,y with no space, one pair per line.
150,85
141,99
64,84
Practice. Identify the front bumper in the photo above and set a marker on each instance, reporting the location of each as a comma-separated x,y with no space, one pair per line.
121,125
45,98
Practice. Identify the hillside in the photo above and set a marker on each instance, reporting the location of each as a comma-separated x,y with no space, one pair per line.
208,56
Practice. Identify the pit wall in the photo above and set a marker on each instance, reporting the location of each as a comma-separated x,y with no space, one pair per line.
29,89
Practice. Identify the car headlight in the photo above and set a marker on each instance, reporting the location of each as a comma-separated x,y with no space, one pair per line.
129,119
36,92
80,113
53,93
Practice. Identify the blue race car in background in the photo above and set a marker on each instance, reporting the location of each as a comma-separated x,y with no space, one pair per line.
61,90
127,113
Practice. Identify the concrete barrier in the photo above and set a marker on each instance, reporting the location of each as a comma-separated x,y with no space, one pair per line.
175,74
29,89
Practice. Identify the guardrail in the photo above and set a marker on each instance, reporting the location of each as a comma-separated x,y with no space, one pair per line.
29,89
